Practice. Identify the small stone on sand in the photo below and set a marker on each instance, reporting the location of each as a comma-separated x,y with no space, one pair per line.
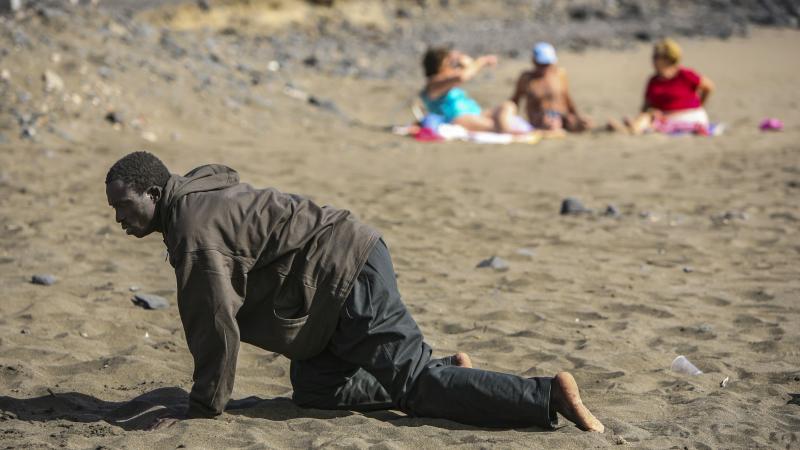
495,263
571,205
526,252
612,211
150,301
52,82
43,279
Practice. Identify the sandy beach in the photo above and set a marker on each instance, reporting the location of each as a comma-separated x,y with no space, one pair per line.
704,260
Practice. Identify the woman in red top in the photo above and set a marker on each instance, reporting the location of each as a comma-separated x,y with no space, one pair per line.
674,97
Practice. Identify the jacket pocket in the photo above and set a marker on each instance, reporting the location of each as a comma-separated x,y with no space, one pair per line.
293,301
290,323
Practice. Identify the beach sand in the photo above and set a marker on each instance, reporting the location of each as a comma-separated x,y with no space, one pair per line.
612,300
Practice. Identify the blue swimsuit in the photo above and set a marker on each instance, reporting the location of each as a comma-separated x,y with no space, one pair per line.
453,104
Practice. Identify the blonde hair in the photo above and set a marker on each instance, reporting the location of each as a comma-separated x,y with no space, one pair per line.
668,49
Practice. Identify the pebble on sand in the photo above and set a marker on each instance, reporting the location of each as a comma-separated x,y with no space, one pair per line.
52,82
43,279
149,136
150,301
571,205
495,263
612,211
728,217
115,117
526,252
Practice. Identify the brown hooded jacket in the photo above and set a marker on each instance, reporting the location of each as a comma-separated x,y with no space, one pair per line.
257,266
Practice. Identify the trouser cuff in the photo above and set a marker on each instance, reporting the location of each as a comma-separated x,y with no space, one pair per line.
552,415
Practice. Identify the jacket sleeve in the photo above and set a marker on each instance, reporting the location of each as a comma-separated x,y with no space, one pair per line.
210,293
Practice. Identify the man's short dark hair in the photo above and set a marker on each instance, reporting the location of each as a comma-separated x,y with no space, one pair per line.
140,170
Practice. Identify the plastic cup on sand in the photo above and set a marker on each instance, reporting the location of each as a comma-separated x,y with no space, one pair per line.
682,365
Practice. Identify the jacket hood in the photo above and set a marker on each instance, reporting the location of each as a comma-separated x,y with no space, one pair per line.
206,178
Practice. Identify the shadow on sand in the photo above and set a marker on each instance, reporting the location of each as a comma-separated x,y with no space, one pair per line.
134,414
142,411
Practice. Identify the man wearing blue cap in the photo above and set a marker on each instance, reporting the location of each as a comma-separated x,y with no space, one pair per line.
546,92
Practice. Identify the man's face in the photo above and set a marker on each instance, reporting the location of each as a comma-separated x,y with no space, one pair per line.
135,212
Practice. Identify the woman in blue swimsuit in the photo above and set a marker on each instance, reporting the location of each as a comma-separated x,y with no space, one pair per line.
445,71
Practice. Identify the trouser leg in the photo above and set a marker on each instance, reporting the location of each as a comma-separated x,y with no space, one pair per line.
327,382
483,398
377,333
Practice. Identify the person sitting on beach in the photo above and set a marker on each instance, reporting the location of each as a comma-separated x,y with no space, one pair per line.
446,70
314,284
545,89
674,97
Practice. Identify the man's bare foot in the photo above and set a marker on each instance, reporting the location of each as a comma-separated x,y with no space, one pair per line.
565,399
462,360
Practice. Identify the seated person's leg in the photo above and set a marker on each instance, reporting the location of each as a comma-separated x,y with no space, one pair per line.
640,123
476,122
617,126
552,120
576,124
503,117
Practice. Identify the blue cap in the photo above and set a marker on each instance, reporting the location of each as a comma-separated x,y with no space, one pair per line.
544,53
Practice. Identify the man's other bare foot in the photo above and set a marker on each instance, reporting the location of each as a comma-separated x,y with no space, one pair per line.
462,360
565,399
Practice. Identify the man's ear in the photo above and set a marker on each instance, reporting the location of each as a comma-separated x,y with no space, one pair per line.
154,192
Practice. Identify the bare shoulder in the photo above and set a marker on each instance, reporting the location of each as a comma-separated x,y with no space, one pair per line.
525,76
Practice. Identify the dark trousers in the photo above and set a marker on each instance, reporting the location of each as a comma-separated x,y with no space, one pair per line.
377,359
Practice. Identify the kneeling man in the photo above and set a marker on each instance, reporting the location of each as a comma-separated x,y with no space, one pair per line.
314,284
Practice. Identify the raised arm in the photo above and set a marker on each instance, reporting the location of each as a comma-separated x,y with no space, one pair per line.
468,68
210,293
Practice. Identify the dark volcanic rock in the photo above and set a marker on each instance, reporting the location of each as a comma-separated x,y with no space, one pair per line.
43,279
612,211
115,117
495,263
150,301
571,206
